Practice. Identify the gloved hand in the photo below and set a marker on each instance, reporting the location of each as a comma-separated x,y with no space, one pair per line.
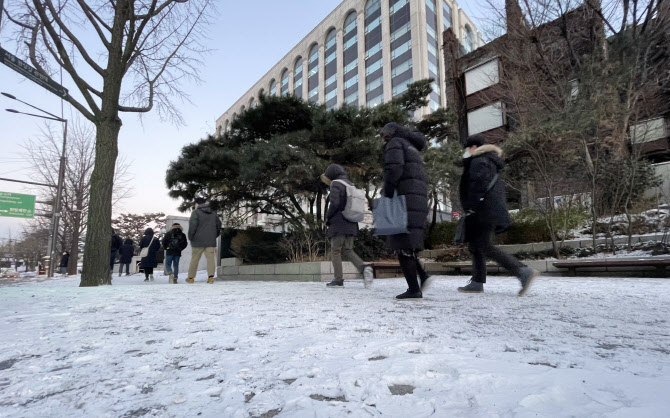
469,212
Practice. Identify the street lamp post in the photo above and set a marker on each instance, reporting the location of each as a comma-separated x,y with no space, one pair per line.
56,208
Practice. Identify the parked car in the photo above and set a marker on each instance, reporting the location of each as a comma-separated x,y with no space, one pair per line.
10,274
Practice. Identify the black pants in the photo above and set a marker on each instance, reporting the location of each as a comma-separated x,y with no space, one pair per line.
411,268
148,271
480,243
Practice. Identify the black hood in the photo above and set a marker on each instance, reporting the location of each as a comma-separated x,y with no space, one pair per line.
394,130
148,232
128,241
335,172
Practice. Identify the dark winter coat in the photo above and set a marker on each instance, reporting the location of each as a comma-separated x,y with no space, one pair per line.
64,260
478,172
151,260
116,243
127,251
203,227
404,173
180,238
337,224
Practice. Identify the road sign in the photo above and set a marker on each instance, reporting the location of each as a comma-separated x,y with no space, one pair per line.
26,70
16,205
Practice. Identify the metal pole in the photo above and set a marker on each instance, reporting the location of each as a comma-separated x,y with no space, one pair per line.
57,204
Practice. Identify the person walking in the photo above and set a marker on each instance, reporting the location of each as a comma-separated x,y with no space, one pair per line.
482,195
405,174
342,231
116,244
174,243
127,252
149,262
64,260
203,229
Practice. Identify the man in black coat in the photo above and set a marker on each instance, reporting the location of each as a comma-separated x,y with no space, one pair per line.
405,174
116,244
342,231
204,227
126,256
482,194
174,243
64,260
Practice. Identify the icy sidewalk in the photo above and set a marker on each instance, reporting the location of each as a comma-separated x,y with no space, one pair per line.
572,347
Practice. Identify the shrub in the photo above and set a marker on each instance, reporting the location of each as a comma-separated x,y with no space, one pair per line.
441,235
370,247
255,246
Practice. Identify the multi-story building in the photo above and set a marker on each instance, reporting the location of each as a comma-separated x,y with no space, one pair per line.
365,52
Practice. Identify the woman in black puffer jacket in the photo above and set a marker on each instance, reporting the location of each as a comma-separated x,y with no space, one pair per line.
405,174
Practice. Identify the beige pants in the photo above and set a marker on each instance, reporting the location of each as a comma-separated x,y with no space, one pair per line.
197,252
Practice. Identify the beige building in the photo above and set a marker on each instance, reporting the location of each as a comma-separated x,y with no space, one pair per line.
365,52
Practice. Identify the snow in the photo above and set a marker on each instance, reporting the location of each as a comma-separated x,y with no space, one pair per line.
588,347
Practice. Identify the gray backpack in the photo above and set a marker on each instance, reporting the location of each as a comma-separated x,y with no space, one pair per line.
354,210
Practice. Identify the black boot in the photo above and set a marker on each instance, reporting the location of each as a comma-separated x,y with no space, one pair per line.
409,295
336,284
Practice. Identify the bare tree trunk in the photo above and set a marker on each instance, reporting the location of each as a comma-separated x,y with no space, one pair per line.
98,240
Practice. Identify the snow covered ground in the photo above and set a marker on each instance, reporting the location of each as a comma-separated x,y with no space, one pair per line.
587,347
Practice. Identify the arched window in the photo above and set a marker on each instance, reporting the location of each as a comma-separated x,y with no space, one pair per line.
284,82
313,76
261,93
401,45
297,78
234,117
226,126
273,87
469,39
242,109
350,59
374,73
252,103
330,61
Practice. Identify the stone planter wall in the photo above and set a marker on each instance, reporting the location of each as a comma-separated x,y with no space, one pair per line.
320,271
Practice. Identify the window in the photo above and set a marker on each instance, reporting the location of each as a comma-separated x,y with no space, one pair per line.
376,101
331,95
284,82
402,87
352,98
373,50
372,6
350,23
331,80
297,77
446,15
314,54
401,68
331,39
351,42
470,44
648,130
397,6
400,32
481,77
252,103
401,49
485,118
374,67
375,23
351,82
351,66
374,84
273,88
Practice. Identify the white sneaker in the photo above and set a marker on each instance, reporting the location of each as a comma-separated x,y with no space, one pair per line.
151,277
368,277
171,279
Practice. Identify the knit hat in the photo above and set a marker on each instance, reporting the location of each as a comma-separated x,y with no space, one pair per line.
200,200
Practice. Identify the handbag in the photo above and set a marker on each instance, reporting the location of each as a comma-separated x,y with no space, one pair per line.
390,215
459,235
145,251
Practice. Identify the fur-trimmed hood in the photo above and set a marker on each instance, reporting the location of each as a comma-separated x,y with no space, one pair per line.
488,148
492,152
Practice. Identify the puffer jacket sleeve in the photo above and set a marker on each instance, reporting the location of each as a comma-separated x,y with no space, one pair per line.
394,162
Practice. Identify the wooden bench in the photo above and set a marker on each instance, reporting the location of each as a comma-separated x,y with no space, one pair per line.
661,264
460,265
379,267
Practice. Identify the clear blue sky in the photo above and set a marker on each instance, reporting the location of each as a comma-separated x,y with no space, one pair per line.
247,39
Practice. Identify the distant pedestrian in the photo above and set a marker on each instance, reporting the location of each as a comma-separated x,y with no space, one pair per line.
150,261
482,194
64,260
203,229
405,174
127,253
174,242
116,245
342,231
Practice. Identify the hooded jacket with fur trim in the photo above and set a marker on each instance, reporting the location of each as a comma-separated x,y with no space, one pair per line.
478,172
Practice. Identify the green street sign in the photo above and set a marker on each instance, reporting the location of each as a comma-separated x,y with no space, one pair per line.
17,205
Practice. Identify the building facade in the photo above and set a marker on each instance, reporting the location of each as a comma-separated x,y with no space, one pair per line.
365,52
